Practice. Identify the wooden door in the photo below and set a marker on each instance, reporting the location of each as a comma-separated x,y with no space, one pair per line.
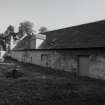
83,65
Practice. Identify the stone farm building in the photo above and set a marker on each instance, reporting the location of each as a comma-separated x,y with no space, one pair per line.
79,49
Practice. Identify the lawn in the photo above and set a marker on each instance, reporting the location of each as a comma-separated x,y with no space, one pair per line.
39,86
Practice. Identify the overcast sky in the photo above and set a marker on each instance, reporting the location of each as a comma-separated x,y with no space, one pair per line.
53,14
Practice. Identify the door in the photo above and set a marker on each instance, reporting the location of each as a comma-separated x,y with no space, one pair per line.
83,65
44,60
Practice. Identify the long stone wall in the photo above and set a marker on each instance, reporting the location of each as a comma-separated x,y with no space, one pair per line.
97,66
65,62
47,59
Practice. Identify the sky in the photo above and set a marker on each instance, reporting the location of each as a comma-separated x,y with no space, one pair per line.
54,14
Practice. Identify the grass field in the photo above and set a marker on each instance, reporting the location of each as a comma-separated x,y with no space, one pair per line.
42,86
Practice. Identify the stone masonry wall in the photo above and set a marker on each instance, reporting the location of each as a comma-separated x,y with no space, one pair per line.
59,61
47,59
97,66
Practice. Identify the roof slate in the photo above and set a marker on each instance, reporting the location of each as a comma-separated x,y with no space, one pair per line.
88,35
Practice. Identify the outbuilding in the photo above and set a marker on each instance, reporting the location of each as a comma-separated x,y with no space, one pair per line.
79,49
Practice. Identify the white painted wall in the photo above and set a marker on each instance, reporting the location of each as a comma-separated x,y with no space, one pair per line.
2,53
39,42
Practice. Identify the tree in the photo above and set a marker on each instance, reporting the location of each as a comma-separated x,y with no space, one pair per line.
43,29
26,27
8,33
6,37
9,30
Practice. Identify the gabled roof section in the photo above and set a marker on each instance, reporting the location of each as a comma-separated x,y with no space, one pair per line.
23,44
82,36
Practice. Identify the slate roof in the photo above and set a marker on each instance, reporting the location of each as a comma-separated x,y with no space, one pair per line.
88,35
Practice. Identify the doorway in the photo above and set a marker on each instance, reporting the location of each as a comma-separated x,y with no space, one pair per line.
83,65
